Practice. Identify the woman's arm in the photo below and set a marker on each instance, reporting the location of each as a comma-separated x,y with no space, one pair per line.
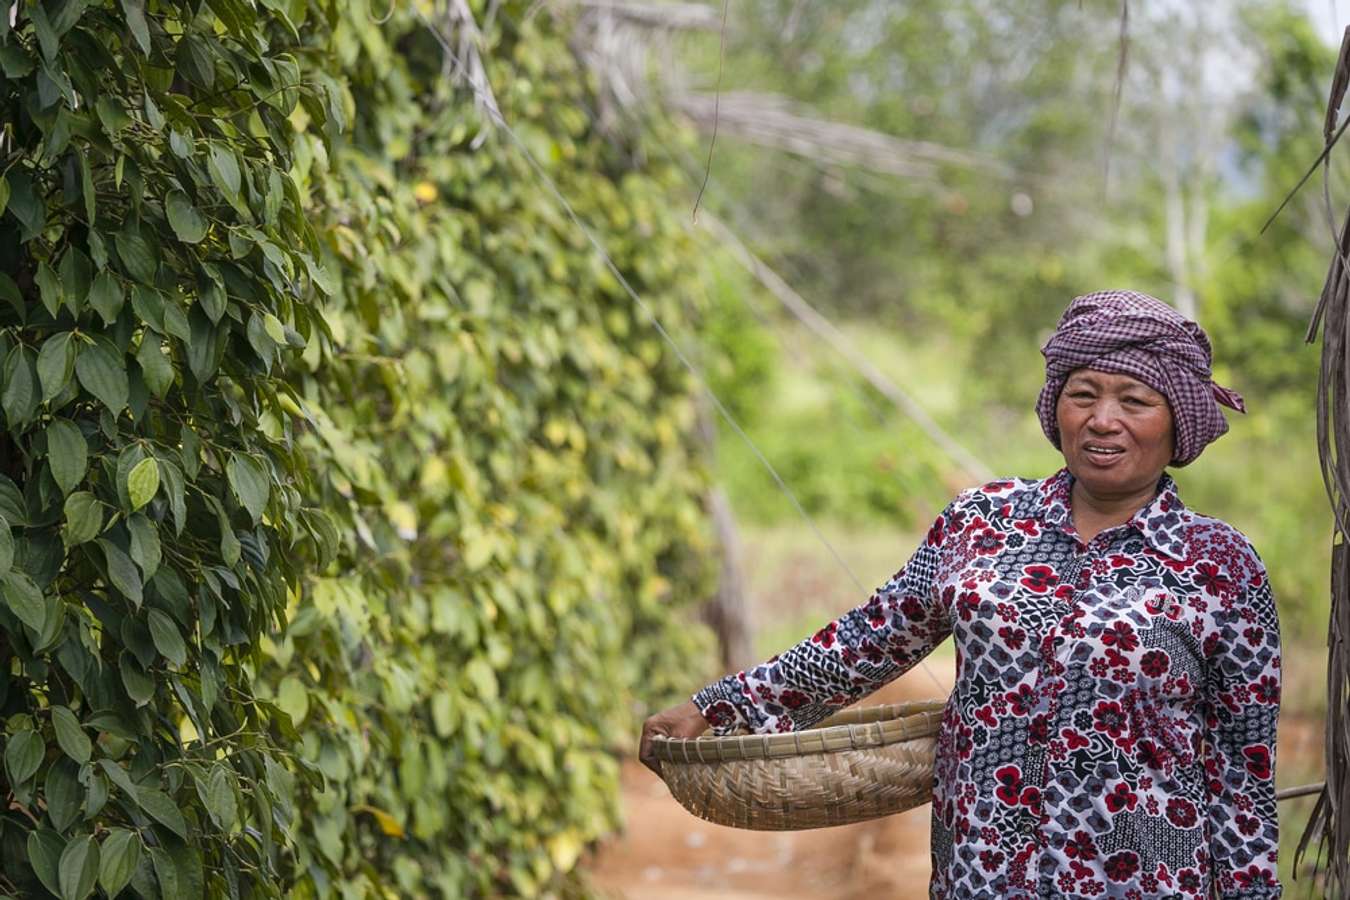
1243,709
849,658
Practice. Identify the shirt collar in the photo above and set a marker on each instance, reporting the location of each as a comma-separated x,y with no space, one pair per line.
1161,521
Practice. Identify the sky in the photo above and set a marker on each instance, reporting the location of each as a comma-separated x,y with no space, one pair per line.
1331,17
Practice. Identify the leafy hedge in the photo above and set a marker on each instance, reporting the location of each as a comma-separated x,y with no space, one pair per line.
505,443
350,505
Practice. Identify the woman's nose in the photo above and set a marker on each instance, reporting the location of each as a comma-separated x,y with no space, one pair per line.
1104,416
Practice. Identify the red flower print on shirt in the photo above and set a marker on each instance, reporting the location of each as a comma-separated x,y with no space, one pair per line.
1009,788
1121,797
1258,760
1181,812
1021,700
987,542
1254,876
1208,576
1154,663
1120,635
1110,718
1122,865
1039,578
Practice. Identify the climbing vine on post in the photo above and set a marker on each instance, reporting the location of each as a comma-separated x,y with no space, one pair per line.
156,269
508,448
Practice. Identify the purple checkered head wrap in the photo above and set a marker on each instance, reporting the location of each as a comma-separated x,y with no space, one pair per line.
1133,334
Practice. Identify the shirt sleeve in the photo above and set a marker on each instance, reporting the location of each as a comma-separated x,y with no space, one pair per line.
852,656
1243,709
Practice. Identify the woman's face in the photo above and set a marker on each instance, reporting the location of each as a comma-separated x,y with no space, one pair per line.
1115,431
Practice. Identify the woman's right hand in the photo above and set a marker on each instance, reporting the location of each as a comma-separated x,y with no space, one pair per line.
682,721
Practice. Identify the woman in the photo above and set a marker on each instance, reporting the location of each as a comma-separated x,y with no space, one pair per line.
1112,727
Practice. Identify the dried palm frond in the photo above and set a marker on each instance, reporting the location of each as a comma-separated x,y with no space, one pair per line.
1330,820
774,121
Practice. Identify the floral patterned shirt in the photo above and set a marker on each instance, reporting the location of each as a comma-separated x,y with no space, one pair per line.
1111,732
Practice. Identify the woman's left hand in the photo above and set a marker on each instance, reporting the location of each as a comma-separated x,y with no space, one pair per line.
682,721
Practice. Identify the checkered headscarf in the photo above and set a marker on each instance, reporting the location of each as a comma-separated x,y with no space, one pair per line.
1133,334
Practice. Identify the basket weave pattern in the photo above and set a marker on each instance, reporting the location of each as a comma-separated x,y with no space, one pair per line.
859,764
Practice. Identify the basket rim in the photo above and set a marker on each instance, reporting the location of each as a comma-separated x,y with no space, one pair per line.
858,728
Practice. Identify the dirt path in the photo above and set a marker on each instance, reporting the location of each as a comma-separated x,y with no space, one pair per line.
665,853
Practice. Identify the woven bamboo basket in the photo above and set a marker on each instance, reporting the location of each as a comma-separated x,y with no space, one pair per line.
859,764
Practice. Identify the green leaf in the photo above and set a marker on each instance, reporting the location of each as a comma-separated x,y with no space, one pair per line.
167,640
87,193
49,288
103,374
250,484
63,794
68,454
84,518
122,571
275,330
203,360
106,296
97,796
211,296
76,274
6,547
14,62
180,144
48,41
224,170
149,305
188,223
120,854
112,114
78,868
9,292
162,808
138,255
218,795
134,10
20,396
176,323
44,853
152,113
26,204
166,872
23,755
155,366
4,194
67,14
293,699
116,773
70,736
56,364
24,598
194,62
139,686
145,547
174,489
143,482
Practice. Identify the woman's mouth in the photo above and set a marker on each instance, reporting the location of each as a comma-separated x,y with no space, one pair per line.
1103,454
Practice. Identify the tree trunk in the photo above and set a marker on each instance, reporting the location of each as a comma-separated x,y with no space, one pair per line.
728,612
